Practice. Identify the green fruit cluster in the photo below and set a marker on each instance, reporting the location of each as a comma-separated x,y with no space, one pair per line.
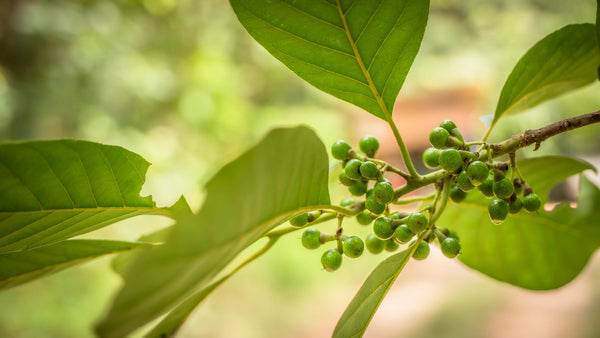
331,259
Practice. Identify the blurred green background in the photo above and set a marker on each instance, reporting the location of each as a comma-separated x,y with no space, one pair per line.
182,84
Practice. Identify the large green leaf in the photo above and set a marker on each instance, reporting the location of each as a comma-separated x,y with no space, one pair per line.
564,60
540,251
598,23
285,173
54,190
361,309
23,266
357,50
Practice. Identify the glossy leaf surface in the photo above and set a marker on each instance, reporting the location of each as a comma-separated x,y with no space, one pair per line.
357,50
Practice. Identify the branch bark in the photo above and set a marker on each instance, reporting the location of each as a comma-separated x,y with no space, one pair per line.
537,136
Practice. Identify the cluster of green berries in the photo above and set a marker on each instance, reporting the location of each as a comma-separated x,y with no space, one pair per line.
351,246
449,153
358,171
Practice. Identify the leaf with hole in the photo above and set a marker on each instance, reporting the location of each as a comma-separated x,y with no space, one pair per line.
54,190
539,251
562,61
286,173
357,50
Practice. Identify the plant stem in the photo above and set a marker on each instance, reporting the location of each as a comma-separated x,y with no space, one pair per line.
537,136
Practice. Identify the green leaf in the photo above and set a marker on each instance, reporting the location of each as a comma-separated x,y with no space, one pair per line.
23,266
361,309
539,251
285,173
54,190
598,23
357,50
564,60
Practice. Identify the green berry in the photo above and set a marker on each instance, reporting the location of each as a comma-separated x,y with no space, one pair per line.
300,220
383,192
431,158
453,234
403,233
438,137
487,186
369,170
397,215
368,145
498,210
457,195
503,188
450,159
515,206
353,247
331,260
422,251
477,172
445,231
340,149
311,238
382,228
391,245
374,206
449,125
344,179
359,188
374,244
417,222
450,247
364,217
463,182
348,201
532,202
352,169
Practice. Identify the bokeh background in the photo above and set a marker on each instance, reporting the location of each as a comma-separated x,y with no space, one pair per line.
182,84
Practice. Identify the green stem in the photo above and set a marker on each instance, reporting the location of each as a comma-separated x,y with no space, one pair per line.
443,201
414,199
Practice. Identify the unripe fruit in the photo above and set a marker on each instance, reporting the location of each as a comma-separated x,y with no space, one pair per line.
477,172
359,188
403,233
498,210
383,192
353,247
369,170
382,228
391,245
299,221
457,195
486,187
364,217
374,244
352,169
438,137
417,222
503,188
431,158
515,206
374,206
368,145
422,251
463,182
450,159
344,179
339,149
331,260
348,201
450,247
449,125
311,238
532,202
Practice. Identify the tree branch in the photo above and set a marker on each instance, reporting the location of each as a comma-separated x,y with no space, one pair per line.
537,136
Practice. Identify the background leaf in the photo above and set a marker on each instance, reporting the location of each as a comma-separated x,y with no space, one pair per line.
285,173
54,190
20,267
540,251
361,309
359,51
564,60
